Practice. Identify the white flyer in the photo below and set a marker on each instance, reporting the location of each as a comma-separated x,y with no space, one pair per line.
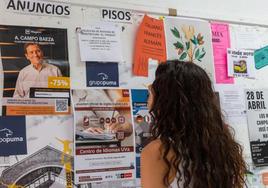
240,63
100,42
232,103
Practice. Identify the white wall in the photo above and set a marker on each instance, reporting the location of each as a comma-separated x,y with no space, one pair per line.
244,11
247,11
254,12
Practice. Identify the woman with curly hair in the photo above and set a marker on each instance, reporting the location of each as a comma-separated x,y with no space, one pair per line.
191,144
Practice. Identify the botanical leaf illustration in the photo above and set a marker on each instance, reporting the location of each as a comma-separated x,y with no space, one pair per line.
178,45
196,54
183,56
189,46
202,55
200,39
175,32
188,32
194,40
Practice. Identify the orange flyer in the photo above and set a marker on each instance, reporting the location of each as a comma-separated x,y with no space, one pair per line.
150,43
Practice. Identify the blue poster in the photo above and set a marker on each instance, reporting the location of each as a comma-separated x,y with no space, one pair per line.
102,74
142,120
12,135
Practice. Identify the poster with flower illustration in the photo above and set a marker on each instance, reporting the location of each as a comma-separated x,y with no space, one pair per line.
189,40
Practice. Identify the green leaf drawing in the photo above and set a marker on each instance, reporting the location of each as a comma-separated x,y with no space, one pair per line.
175,32
196,53
187,45
183,56
194,40
178,45
202,55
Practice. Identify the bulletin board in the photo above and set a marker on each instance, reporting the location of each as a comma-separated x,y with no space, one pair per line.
39,128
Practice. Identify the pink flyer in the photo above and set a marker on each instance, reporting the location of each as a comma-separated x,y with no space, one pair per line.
220,42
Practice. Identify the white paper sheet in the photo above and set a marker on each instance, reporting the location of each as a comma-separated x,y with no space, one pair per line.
100,42
245,37
232,103
240,63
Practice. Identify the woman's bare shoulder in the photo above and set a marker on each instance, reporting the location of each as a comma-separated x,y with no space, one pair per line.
153,167
152,148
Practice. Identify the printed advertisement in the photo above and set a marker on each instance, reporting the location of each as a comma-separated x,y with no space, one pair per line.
116,184
190,40
104,141
257,116
142,120
220,42
256,177
12,135
126,77
261,57
232,103
241,63
247,36
100,42
49,159
36,70
100,74
150,44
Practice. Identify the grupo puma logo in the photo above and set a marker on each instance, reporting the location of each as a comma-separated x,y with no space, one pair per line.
103,76
6,132
102,80
6,136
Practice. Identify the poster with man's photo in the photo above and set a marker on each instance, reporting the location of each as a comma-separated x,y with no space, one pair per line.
104,141
240,63
35,70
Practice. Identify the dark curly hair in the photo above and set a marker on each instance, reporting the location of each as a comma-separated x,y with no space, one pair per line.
187,119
